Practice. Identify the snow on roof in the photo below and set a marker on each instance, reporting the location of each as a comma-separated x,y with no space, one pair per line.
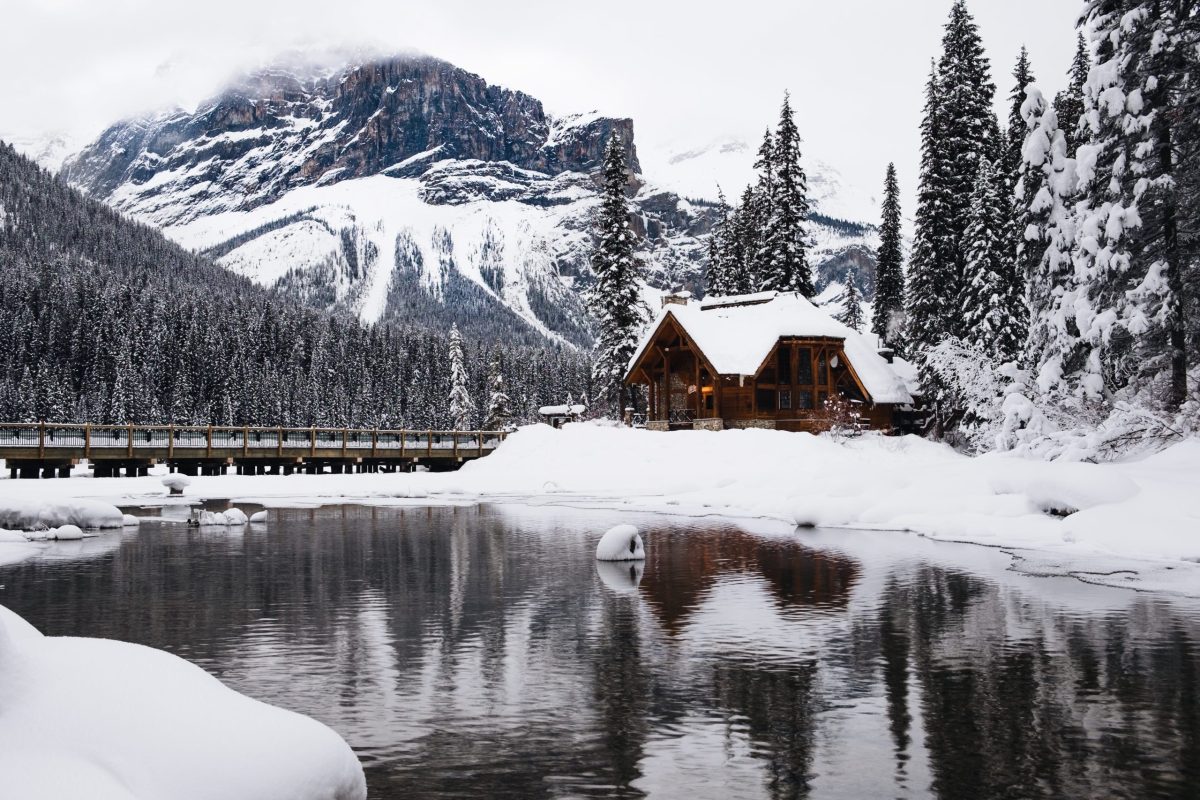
736,334
562,411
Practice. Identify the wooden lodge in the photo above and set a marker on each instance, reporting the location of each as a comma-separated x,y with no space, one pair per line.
768,360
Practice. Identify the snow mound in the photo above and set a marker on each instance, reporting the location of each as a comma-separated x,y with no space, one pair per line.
39,515
130,521
176,483
234,516
142,723
65,533
259,516
621,543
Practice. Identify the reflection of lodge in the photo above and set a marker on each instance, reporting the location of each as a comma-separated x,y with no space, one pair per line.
679,570
761,361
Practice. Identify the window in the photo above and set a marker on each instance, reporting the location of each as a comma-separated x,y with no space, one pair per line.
785,399
822,369
804,400
768,375
765,399
821,398
804,366
785,366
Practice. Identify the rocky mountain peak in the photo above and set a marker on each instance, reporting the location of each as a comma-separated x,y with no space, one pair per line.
278,128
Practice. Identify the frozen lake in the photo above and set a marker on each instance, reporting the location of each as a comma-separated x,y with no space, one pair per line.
482,652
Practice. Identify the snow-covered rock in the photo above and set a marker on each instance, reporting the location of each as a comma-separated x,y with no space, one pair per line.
108,720
130,521
65,533
176,482
259,516
621,543
33,515
229,518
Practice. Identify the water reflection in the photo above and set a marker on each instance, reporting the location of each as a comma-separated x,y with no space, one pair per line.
483,652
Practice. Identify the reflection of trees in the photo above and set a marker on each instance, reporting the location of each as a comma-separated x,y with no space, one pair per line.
1022,701
680,569
776,703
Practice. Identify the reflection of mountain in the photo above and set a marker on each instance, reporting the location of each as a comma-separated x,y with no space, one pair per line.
679,571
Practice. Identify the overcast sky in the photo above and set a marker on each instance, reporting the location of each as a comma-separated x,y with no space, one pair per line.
687,72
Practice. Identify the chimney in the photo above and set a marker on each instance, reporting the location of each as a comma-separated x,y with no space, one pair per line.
888,354
676,299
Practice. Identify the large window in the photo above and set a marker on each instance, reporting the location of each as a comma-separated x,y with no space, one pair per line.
804,367
785,399
765,399
785,365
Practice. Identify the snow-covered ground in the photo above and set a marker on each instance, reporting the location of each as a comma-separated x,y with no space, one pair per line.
1134,523
108,720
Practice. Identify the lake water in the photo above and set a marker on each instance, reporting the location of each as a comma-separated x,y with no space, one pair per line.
482,652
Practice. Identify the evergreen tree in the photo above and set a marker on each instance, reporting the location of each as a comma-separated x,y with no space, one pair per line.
786,266
760,207
931,275
987,309
967,129
1068,104
499,407
1047,184
462,408
851,314
720,275
1137,97
614,300
889,268
743,244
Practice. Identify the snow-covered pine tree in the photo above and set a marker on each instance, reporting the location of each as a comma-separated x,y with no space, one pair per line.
613,299
1014,139
887,322
1068,104
1048,182
988,316
967,129
718,277
1012,167
851,314
760,207
743,241
1134,317
932,279
786,266
499,408
462,408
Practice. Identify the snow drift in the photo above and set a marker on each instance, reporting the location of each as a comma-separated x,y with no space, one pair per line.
621,543
106,720
34,515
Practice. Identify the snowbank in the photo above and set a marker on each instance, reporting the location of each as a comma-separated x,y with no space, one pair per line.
104,720
1147,509
33,515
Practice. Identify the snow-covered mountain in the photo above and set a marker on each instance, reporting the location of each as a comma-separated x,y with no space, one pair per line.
402,188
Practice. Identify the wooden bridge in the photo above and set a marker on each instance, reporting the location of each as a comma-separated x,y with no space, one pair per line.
45,450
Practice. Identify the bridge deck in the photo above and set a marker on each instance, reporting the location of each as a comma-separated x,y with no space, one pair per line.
29,448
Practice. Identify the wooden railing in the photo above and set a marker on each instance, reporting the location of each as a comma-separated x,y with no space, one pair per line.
208,441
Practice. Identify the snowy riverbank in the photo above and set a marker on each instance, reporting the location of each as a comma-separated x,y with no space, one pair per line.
114,721
1145,510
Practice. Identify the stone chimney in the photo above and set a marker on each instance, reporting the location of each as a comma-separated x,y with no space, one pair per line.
676,299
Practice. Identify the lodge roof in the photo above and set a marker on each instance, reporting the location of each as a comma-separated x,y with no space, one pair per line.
736,334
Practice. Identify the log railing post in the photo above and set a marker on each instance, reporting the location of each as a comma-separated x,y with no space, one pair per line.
208,443
87,440
454,441
344,433
279,442
171,441
429,445
403,437
312,442
42,439
374,441
245,440
129,443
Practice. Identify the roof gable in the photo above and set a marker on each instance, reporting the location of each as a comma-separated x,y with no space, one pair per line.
736,334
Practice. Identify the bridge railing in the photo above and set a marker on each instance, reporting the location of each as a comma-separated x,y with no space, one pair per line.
111,440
